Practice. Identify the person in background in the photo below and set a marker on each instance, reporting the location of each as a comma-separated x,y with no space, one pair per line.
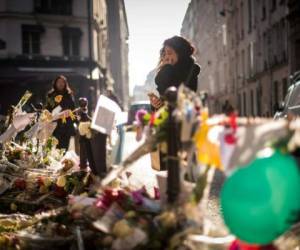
92,143
227,108
176,66
62,95
120,129
85,134
111,95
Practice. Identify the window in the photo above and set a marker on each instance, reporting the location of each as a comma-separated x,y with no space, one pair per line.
249,73
99,47
2,44
283,36
59,7
284,87
297,55
275,97
265,50
264,11
245,104
240,104
273,5
237,32
243,76
258,101
31,39
294,99
237,72
242,20
249,16
252,103
71,41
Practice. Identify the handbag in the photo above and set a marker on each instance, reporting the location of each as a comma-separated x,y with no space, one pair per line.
155,160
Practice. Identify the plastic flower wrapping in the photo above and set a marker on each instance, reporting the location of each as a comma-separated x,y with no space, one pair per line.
84,129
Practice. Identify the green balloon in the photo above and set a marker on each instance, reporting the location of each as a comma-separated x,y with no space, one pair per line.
259,201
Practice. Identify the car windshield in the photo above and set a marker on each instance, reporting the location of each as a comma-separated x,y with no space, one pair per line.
136,107
294,99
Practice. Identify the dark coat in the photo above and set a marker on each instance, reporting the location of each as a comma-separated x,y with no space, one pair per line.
114,98
66,103
173,75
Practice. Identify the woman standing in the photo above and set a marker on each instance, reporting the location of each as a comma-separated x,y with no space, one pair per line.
176,66
61,95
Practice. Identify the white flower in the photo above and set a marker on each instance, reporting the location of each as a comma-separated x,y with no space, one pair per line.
85,129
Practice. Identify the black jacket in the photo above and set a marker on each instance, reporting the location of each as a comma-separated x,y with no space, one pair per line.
173,75
67,102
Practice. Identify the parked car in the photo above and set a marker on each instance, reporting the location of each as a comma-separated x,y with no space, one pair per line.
134,107
291,102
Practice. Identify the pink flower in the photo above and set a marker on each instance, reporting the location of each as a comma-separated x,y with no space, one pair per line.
139,116
156,193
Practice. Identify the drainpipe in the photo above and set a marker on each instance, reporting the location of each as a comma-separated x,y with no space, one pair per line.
90,36
91,90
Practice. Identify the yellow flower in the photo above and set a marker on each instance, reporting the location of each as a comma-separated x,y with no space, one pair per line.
168,219
13,207
67,165
58,98
85,129
64,119
121,229
72,116
46,116
164,147
130,214
208,152
61,181
47,182
43,189
54,141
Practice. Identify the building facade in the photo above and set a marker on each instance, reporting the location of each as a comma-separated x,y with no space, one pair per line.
249,60
294,35
118,35
42,39
204,27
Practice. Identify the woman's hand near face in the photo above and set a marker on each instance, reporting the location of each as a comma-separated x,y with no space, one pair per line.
168,60
169,56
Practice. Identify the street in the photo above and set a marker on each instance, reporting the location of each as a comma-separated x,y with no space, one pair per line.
143,174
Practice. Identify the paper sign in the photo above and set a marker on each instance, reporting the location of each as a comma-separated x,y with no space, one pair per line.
105,115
